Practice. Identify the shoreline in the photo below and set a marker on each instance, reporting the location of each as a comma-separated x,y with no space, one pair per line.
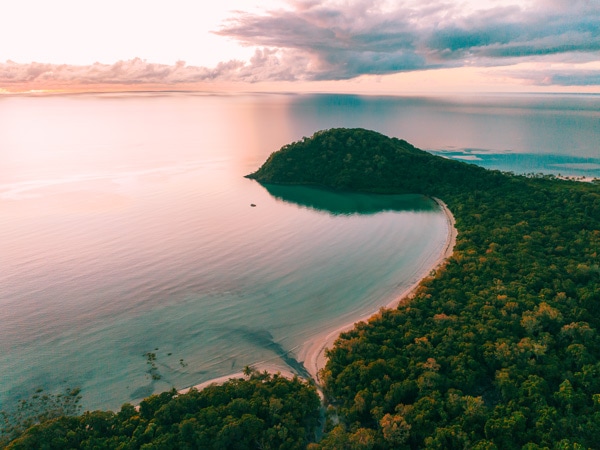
271,368
312,354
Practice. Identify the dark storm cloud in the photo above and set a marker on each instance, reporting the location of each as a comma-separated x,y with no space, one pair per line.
519,35
348,39
339,42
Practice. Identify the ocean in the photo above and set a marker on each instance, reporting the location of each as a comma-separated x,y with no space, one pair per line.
131,257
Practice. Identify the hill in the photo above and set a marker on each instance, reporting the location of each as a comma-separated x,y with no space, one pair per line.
367,161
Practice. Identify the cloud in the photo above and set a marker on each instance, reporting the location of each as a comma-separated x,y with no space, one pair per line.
517,35
135,71
343,39
348,39
340,42
265,64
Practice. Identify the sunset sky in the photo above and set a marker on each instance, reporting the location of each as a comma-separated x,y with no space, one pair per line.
301,45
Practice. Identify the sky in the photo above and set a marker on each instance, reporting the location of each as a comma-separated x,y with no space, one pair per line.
359,46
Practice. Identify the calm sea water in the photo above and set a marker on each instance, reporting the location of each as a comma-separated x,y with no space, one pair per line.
126,228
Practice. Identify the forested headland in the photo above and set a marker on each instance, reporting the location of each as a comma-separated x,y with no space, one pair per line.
499,349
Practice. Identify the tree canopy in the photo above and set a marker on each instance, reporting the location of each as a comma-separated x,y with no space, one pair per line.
264,411
367,161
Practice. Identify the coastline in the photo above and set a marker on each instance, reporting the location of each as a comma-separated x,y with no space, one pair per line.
271,368
312,354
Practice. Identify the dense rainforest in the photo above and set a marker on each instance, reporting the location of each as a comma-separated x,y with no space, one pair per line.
499,349
260,411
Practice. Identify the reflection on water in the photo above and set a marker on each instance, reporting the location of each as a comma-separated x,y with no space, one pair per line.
347,203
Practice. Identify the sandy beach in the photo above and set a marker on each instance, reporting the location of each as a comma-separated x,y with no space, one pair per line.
312,354
271,368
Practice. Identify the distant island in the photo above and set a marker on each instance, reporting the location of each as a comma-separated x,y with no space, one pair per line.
500,349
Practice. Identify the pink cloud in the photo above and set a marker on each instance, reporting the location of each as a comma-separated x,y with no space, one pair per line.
266,64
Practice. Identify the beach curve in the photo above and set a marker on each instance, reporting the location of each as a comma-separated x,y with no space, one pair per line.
312,354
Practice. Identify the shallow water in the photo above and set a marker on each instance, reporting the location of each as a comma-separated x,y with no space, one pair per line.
126,229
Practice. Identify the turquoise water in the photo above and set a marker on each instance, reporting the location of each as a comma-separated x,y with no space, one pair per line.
123,238
527,133
126,228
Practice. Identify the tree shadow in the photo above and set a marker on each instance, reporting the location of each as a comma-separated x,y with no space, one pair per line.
348,203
